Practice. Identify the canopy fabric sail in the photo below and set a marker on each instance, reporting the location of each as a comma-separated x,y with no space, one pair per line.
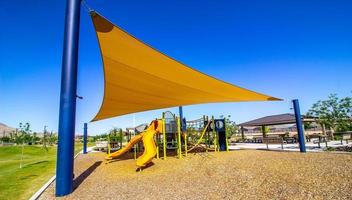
140,78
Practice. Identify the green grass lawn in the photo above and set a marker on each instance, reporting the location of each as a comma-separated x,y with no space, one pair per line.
38,167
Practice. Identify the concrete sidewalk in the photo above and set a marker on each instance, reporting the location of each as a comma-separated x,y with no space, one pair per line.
310,146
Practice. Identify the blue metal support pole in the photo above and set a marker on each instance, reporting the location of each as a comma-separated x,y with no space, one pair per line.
301,138
180,110
68,94
85,135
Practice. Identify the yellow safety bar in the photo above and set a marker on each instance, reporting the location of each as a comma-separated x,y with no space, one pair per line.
214,135
179,145
186,140
226,134
109,144
201,137
164,138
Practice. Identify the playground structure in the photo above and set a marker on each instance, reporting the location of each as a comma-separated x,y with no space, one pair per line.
147,136
165,134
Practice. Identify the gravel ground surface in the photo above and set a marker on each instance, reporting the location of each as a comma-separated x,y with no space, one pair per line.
244,174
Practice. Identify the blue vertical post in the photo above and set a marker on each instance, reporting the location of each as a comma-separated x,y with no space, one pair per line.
85,135
68,94
180,110
301,138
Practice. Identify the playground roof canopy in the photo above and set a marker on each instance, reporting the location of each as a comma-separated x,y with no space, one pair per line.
140,78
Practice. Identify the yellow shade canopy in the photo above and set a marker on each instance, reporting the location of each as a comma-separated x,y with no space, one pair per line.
140,78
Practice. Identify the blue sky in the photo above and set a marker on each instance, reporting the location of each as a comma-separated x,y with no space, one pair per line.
287,49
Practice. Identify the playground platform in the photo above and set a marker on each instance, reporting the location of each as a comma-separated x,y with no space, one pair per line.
241,174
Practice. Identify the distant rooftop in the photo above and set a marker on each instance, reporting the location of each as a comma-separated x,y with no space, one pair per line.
287,118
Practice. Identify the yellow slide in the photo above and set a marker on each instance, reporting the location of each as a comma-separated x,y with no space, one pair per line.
148,141
132,142
149,149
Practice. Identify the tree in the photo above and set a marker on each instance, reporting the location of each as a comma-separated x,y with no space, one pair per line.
24,135
345,122
334,113
52,138
35,138
116,135
265,131
103,136
231,126
6,139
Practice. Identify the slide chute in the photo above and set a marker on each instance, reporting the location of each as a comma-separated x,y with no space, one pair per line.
147,136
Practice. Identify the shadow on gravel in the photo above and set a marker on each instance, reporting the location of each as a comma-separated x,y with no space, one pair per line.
85,175
125,156
145,167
